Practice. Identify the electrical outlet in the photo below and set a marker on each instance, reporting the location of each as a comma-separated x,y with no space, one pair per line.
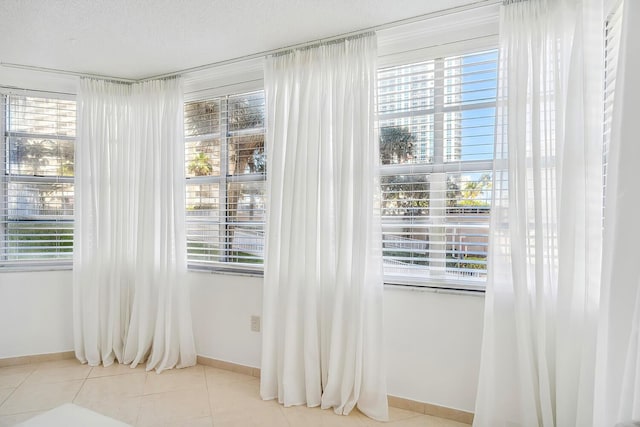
255,323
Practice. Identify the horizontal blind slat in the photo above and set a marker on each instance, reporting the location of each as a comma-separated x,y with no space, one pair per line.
612,42
37,192
225,165
435,223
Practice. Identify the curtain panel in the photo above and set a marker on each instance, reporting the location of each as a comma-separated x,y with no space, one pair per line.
130,295
618,362
541,307
322,310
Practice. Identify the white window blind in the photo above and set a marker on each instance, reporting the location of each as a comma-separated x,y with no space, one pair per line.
36,211
436,123
612,42
225,183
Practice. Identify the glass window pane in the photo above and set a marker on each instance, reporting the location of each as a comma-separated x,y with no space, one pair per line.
246,111
225,220
405,223
203,200
469,135
435,117
471,79
36,214
406,88
406,140
39,201
39,221
205,234
247,155
467,222
202,117
202,158
246,218
406,99
40,157
205,241
41,116
40,239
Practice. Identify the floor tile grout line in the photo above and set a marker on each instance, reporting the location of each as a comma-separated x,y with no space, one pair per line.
8,396
175,390
210,387
27,377
141,397
23,382
84,381
133,371
281,407
6,399
22,413
206,384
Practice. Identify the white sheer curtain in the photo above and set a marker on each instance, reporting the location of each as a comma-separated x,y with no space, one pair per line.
130,295
538,352
323,269
618,374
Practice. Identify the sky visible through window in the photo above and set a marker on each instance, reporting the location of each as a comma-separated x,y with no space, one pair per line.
437,120
479,85
479,81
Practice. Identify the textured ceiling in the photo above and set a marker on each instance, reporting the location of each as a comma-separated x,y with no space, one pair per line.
142,38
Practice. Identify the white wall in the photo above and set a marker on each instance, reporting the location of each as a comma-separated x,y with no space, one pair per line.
433,346
36,314
432,339
221,308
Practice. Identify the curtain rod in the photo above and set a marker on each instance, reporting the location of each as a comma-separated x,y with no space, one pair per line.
5,88
69,73
425,17
325,43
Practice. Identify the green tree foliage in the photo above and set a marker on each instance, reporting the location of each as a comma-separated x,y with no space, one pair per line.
453,192
472,191
202,118
246,151
396,145
469,193
405,195
41,157
200,165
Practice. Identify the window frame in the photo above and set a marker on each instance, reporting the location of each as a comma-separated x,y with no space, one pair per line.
444,167
438,166
6,177
224,179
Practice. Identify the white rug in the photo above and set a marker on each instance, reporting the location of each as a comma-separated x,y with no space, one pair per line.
70,415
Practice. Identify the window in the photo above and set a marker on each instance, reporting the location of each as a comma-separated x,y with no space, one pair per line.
225,184
36,211
612,29
437,158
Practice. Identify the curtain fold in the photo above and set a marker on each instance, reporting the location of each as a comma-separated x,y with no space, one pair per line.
618,362
322,309
130,296
541,307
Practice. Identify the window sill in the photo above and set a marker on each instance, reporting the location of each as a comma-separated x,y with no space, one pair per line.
225,271
439,289
435,289
34,268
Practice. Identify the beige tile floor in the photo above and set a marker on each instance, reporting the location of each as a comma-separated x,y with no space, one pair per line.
197,396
